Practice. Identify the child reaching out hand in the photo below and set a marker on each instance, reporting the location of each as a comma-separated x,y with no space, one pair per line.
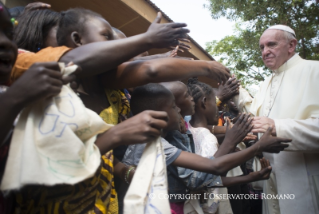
203,171
206,144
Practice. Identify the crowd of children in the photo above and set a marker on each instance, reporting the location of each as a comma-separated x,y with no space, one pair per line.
140,95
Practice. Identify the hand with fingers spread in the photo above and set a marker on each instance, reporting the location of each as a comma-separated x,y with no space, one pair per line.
218,72
166,35
271,144
239,130
42,80
182,46
265,171
228,89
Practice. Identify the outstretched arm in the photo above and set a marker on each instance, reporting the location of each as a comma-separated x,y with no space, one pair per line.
263,174
99,57
132,74
221,165
196,180
144,127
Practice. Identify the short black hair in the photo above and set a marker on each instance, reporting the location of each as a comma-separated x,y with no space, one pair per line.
152,96
198,89
73,20
33,28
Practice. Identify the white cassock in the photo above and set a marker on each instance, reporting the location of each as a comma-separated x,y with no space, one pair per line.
291,98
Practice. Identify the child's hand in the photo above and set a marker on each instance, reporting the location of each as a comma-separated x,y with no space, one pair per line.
269,143
165,35
40,81
72,78
182,47
239,130
249,137
218,72
227,90
265,171
142,128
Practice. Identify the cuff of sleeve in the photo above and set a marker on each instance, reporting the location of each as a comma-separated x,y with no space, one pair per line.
215,181
277,126
174,157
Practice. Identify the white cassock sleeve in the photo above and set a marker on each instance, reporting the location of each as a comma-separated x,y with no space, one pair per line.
304,134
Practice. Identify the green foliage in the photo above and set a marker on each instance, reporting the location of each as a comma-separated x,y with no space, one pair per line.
241,51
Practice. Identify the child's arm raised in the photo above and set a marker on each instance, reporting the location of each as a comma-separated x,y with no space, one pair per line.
132,74
42,80
221,165
99,57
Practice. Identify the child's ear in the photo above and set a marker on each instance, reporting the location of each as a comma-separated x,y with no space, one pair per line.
203,102
76,38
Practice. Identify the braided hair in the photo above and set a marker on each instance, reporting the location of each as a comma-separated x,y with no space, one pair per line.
198,89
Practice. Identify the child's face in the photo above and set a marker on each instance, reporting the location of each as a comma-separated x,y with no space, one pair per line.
8,50
184,100
173,113
211,110
96,30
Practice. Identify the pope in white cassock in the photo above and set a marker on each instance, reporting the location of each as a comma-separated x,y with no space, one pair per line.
289,101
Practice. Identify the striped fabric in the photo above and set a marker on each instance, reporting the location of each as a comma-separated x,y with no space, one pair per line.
94,195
